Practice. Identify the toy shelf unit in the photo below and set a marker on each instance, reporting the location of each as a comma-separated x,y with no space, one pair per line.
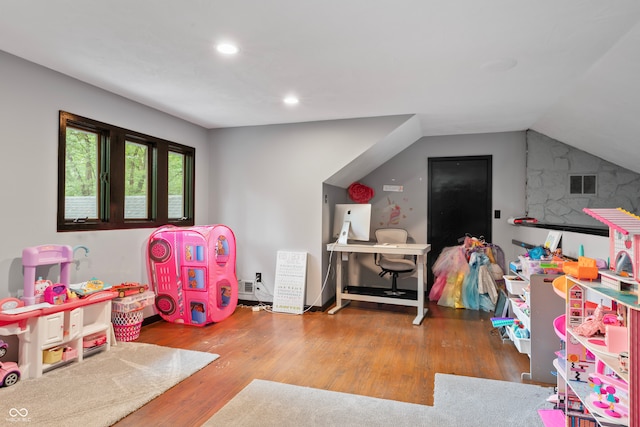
71,335
598,375
52,336
51,329
193,273
536,315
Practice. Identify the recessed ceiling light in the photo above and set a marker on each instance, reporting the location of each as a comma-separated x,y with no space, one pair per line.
227,48
291,100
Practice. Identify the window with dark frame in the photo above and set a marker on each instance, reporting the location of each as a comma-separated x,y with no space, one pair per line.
582,184
114,178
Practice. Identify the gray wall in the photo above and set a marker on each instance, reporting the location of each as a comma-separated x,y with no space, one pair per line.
549,164
31,98
269,189
265,182
409,169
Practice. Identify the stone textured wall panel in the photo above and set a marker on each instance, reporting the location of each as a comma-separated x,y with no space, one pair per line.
549,165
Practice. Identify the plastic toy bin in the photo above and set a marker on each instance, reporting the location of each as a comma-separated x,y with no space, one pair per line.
133,302
51,356
515,285
522,344
541,266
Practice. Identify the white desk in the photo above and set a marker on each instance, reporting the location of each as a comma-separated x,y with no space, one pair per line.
343,298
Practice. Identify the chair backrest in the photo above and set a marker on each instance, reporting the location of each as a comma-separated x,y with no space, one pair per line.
392,235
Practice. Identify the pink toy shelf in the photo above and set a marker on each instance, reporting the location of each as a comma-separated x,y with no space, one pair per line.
193,273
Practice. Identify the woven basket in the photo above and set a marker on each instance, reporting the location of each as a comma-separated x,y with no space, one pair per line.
126,326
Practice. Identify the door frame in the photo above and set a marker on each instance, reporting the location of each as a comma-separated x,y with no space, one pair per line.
430,160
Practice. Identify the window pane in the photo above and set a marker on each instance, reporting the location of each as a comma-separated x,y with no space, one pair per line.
176,185
575,184
81,174
136,186
589,184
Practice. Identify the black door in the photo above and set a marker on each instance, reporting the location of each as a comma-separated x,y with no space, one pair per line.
459,202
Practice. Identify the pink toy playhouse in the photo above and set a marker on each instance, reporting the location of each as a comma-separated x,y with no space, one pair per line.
193,273
624,247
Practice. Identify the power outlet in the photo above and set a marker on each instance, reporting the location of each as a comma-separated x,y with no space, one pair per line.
258,277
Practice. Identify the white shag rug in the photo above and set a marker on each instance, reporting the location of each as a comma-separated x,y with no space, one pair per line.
458,401
101,390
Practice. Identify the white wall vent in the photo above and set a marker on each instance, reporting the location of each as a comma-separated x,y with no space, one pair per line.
245,287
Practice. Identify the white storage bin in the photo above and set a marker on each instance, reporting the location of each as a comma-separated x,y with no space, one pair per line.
515,285
133,302
522,344
518,311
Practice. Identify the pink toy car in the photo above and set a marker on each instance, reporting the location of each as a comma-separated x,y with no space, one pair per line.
9,373
3,348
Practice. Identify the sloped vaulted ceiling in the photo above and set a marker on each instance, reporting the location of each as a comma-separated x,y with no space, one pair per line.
567,69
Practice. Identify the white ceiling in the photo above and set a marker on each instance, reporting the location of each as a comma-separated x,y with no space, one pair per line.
575,78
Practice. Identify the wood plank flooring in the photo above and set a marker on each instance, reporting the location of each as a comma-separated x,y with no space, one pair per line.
366,348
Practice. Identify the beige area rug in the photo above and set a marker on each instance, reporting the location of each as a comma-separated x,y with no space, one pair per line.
458,401
101,390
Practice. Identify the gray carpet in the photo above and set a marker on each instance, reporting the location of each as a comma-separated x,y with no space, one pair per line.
101,390
458,401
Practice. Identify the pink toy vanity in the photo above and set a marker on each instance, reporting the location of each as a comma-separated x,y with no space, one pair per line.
193,273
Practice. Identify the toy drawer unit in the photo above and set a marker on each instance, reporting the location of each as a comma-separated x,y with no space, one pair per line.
192,271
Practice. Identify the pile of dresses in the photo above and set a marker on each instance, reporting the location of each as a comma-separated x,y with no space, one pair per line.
466,275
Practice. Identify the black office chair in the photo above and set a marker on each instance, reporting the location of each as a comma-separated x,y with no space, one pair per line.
391,264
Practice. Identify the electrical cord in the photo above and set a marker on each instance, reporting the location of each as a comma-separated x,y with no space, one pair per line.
326,277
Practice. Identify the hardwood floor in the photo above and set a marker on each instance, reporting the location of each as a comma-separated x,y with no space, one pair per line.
365,349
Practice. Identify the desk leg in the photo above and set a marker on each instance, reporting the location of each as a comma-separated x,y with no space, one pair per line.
339,305
421,310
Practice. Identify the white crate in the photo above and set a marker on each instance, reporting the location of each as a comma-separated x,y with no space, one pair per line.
517,310
133,302
522,344
515,285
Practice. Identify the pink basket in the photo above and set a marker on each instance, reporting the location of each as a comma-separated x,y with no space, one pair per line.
126,326
128,332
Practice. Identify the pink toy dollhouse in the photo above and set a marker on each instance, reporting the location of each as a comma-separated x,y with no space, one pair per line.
193,273
624,248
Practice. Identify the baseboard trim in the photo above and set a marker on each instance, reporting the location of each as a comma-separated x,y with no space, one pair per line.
156,317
